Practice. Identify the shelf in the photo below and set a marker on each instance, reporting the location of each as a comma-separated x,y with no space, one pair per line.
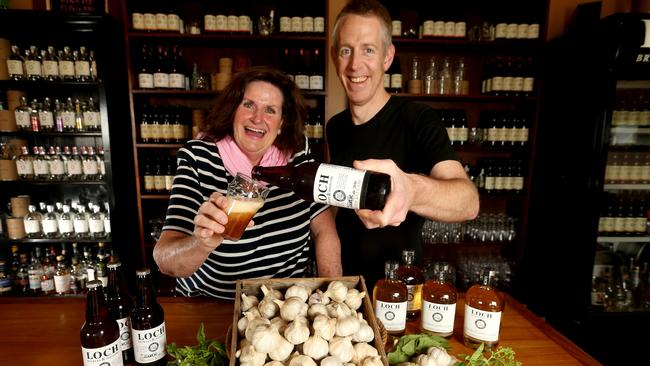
52,134
205,93
158,146
633,84
623,239
54,240
515,45
225,38
489,148
43,84
466,98
155,196
626,187
54,182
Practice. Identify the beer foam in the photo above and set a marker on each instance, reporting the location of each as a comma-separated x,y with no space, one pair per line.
245,206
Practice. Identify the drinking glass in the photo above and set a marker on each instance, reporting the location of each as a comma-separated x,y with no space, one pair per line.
246,196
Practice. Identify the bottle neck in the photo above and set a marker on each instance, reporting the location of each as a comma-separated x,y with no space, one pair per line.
146,293
96,309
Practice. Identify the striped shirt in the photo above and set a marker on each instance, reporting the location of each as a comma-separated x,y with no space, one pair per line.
276,246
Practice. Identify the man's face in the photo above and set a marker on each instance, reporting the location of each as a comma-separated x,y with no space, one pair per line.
361,59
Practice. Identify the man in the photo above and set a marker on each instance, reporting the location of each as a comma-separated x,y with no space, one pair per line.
403,139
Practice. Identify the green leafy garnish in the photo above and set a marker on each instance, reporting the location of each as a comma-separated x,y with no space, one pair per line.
206,353
502,356
412,344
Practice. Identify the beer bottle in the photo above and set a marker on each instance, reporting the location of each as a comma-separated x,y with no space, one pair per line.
120,305
330,184
100,336
483,309
147,323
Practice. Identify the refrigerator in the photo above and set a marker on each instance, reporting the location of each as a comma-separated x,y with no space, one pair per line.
588,245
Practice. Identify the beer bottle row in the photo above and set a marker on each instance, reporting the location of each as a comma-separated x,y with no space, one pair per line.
503,128
304,66
162,68
631,110
314,134
627,168
623,216
405,295
509,77
50,64
42,116
500,176
165,123
159,174
54,164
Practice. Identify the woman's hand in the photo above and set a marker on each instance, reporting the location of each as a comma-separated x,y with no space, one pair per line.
210,220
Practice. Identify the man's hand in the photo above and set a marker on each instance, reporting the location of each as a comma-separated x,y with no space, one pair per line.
399,200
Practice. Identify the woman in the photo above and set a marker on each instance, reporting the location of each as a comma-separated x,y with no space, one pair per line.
257,120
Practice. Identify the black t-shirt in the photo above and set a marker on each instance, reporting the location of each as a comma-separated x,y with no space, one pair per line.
410,134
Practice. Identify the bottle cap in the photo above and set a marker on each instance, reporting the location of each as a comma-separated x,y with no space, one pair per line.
142,272
114,265
93,284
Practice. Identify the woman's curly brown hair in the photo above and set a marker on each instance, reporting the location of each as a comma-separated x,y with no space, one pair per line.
219,122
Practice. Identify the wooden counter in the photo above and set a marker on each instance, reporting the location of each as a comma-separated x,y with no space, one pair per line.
45,331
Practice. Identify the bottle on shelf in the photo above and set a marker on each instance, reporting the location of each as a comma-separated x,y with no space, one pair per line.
33,66
22,283
56,164
35,272
89,165
23,115
148,323
395,72
390,298
50,223
68,116
80,223
91,116
438,303
100,334
145,74
34,121
62,277
159,176
316,71
411,276
32,223
15,64
24,164
149,184
74,165
483,309
120,305
66,64
363,189
5,279
161,69
46,116
50,64
66,223
81,65
96,223
177,69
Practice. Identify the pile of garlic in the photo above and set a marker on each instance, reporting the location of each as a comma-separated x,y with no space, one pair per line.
305,328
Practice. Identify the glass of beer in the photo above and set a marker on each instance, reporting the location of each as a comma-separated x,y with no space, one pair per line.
245,196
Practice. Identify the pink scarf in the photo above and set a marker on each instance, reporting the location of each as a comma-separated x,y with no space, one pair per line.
235,161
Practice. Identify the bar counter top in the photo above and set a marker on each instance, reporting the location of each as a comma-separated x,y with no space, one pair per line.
45,331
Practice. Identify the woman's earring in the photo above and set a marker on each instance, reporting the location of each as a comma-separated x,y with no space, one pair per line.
279,131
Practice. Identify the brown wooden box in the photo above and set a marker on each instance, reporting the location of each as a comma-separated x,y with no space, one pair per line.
253,287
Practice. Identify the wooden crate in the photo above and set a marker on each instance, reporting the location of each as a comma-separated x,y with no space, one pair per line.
253,287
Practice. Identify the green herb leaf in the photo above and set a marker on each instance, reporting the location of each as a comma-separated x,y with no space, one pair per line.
412,344
205,353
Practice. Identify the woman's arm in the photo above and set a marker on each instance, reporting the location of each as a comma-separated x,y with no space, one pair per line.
328,245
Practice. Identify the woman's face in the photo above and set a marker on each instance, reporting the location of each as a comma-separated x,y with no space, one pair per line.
258,119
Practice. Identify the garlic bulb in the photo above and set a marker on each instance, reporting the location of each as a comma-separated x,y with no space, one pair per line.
241,325
406,364
270,293
354,298
316,309
268,308
248,302
365,332
282,350
298,291
333,309
372,361
266,338
274,363
279,324
330,361
324,327
298,331
363,350
425,360
292,307
315,347
346,325
302,360
318,297
341,348
440,356
252,325
336,290
249,356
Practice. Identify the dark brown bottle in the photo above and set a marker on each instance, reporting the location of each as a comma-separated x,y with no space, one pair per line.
390,300
120,304
148,323
100,335
412,277
438,303
329,184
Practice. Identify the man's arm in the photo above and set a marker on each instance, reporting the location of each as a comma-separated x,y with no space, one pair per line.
446,194
328,245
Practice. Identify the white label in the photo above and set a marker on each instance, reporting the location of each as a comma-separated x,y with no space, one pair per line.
110,355
149,21
65,226
497,83
96,226
149,345
391,314
32,226
125,333
460,30
24,167
169,181
438,318
47,285
396,81
89,167
173,22
209,22
500,30
34,280
316,82
22,119
397,28
439,28
533,31
427,28
528,84
338,186
511,31
50,68
82,68
522,31
285,25
138,21
302,81
233,23
41,167
80,226
15,67
49,226
222,22
62,283
244,23
56,167
68,119
319,25
74,167
307,24
33,67
161,80
482,325
66,68
450,29
107,225
145,81
159,182
46,118
177,81
296,24
161,21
